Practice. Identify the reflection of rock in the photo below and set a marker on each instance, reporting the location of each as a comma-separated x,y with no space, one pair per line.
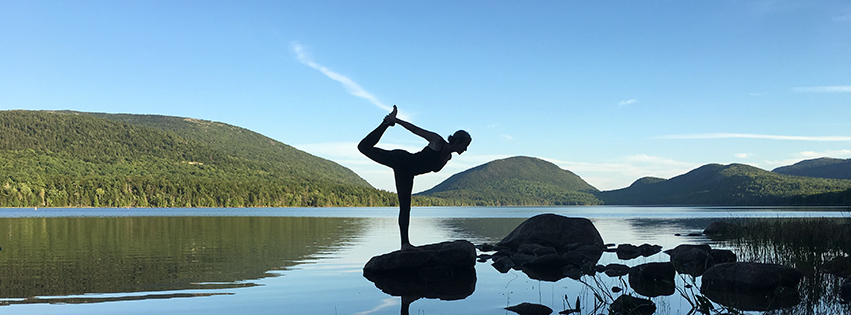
547,268
552,230
695,259
550,247
454,285
845,290
752,286
628,305
616,270
652,279
839,266
629,251
438,271
530,309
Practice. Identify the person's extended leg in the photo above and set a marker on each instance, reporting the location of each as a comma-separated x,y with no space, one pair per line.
404,187
367,145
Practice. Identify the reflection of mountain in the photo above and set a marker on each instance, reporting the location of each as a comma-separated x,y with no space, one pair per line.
69,256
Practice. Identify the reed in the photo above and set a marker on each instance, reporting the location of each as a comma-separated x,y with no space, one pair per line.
801,243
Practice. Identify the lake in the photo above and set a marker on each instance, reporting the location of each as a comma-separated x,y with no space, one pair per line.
310,260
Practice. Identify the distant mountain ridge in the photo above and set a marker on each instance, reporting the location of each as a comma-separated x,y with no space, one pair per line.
516,181
733,184
80,159
821,167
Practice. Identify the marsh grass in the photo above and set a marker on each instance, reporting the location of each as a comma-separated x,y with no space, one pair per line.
805,244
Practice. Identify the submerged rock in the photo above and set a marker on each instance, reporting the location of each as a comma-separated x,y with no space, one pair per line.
845,290
530,309
629,305
503,264
752,286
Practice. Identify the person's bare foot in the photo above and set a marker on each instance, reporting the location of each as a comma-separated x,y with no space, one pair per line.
409,248
390,119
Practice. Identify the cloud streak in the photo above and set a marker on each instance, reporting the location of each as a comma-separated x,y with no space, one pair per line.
351,86
824,89
627,102
701,136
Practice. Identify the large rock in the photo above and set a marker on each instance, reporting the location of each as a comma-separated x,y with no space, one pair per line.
452,255
552,230
752,286
653,279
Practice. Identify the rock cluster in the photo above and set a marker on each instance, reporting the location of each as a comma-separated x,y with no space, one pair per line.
695,259
550,247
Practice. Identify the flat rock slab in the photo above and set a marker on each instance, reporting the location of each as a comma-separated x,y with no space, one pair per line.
439,257
443,271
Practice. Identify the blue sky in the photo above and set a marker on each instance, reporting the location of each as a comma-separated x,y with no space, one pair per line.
611,90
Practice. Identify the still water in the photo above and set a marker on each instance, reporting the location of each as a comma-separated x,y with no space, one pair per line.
305,260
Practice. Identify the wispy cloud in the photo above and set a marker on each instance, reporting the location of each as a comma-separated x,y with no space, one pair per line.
828,153
351,86
623,103
824,89
622,171
756,136
842,18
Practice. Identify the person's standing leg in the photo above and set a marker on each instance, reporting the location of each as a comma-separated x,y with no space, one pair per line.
404,187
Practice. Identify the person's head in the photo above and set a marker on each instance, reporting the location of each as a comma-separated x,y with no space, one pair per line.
459,141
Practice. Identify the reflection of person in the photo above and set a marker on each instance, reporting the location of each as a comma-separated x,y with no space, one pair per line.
406,165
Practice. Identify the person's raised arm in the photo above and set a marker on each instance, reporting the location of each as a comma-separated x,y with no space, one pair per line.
428,135
433,139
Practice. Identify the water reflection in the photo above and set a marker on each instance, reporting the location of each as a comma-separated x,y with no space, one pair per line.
69,256
316,262
457,285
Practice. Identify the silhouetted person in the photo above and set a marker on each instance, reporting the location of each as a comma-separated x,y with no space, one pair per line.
406,165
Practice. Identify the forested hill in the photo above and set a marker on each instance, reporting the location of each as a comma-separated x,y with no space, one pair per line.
821,167
90,159
734,184
516,181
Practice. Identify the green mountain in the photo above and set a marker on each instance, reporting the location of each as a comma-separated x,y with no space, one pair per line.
734,184
91,159
821,167
516,181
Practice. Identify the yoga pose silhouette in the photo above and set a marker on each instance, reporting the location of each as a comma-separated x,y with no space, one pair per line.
406,165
